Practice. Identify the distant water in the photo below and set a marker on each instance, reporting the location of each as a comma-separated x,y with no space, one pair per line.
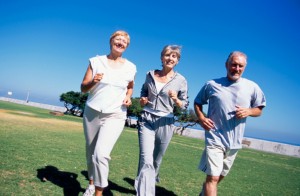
263,135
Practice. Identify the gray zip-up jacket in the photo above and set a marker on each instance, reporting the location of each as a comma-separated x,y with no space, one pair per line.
160,100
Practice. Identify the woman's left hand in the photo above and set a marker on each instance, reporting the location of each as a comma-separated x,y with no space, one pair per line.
172,94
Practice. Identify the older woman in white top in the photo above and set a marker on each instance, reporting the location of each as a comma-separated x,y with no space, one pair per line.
109,79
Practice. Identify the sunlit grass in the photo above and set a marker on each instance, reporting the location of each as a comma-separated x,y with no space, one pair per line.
32,140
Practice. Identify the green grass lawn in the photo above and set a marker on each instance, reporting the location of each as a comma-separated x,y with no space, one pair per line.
42,154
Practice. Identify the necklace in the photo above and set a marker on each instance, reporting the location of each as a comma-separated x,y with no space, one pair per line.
164,77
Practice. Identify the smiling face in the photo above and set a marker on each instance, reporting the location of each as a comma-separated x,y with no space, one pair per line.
170,56
235,66
119,41
119,44
169,59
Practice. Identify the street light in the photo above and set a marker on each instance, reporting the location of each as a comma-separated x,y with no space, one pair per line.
27,98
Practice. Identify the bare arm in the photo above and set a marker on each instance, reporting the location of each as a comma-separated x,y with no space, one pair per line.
88,81
127,100
245,112
206,123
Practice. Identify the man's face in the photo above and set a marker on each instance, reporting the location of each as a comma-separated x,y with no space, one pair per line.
236,67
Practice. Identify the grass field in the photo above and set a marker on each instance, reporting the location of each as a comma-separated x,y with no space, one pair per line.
42,154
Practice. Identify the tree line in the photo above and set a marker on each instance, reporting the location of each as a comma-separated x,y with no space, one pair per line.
74,102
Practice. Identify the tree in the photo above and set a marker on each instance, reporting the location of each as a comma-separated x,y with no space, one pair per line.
186,118
134,110
74,102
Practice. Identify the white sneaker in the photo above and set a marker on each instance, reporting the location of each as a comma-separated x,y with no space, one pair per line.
89,191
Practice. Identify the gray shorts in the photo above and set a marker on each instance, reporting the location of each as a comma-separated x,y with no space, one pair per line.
216,161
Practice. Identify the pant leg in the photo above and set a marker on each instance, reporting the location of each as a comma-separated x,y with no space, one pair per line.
163,137
111,128
91,125
145,180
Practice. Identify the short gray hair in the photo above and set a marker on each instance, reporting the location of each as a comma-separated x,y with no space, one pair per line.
235,53
172,48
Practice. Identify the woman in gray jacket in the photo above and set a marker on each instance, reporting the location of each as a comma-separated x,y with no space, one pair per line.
162,91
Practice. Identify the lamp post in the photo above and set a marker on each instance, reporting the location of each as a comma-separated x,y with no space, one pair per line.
27,98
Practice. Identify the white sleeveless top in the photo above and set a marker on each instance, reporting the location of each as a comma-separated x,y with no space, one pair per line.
107,96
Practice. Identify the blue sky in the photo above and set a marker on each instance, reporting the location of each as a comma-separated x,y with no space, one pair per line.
45,47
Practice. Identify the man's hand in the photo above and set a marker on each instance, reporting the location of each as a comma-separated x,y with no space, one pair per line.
206,123
242,112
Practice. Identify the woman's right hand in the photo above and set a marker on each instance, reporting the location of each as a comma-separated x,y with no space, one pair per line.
143,101
97,78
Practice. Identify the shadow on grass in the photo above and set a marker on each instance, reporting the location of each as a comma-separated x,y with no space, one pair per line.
158,189
112,186
66,180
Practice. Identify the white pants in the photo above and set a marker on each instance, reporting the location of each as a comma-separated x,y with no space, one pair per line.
101,132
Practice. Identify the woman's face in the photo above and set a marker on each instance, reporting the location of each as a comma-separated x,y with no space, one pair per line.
169,59
119,44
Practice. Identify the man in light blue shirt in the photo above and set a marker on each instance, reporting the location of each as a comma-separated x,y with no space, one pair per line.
231,100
